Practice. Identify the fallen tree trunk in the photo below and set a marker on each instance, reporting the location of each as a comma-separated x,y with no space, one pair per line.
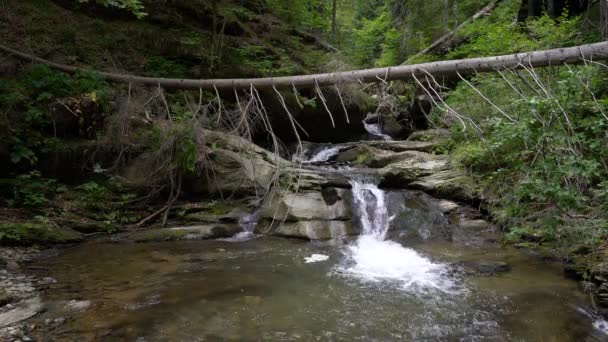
576,54
452,33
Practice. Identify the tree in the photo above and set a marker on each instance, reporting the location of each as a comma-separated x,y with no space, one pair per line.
334,24
604,20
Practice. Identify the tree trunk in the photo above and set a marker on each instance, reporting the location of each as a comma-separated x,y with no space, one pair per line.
604,18
334,12
576,54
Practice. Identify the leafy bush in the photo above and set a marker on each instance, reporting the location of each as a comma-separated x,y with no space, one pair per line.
32,94
31,190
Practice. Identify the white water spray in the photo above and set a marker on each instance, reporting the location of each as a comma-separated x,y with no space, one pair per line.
374,129
373,258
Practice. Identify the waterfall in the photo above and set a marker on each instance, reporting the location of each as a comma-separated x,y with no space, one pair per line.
374,258
317,155
374,129
324,154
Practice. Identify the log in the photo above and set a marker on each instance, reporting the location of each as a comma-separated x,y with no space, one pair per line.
487,9
553,57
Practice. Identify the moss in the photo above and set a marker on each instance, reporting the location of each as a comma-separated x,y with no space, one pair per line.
27,234
159,235
5,298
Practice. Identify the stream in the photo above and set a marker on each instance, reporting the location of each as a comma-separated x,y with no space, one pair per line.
369,287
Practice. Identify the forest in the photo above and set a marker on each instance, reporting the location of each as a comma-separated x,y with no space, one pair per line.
393,170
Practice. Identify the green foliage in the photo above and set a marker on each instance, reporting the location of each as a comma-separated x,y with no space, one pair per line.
157,66
310,14
31,190
133,6
32,94
376,42
496,35
549,156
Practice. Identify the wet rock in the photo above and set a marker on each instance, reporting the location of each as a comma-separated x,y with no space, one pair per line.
410,170
377,158
416,217
447,206
485,267
199,232
475,225
22,310
236,166
311,230
330,204
448,183
78,305
5,298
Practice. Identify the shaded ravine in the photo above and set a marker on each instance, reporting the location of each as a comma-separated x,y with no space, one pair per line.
376,286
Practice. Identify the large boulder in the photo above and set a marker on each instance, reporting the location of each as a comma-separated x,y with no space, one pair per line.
329,204
235,166
318,215
313,230
412,167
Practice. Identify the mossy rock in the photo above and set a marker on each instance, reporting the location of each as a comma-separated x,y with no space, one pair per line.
93,227
28,234
201,232
5,298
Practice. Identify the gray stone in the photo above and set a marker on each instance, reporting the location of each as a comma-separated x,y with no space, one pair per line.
78,305
22,310
199,232
312,230
330,204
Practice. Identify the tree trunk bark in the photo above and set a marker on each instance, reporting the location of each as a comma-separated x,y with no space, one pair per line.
334,23
604,18
576,54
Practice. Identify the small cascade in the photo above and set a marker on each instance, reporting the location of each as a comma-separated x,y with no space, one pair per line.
248,224
373,258
375,130
322,155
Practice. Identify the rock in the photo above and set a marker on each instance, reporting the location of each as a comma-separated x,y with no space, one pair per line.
377,158
78,305
416,217
23,310
485,267
387,123
12,265
329,204
200,232
411,169
448,183
475,225
236,166
311,230
5,298
447,206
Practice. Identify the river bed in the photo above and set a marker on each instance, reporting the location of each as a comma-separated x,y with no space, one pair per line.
263,289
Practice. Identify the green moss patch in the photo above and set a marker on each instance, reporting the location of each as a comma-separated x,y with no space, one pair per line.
27,234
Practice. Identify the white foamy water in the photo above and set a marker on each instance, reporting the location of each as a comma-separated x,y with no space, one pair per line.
373,258
601,326
316,258
322,155
374,129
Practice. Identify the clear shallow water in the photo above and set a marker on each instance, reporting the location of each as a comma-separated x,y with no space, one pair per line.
263,289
